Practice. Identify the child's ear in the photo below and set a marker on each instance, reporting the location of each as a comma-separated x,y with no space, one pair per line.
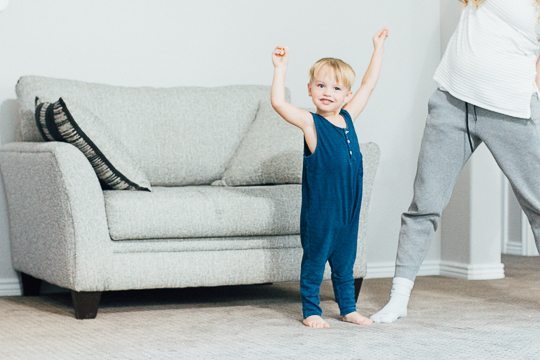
349,96
309,89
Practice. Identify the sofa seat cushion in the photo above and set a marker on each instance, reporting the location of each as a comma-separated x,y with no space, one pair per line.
203,211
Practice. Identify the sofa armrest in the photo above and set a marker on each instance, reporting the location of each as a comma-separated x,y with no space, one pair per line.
371,155
58,226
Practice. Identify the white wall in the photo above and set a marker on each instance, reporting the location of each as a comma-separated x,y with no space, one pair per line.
212,42
450,11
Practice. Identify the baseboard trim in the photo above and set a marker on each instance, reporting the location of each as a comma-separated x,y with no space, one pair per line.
386,269
472,272
513,248
443,268
520,249
10,287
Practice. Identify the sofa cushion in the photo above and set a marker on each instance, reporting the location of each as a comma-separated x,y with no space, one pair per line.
112,162
270,153
172,132
203,211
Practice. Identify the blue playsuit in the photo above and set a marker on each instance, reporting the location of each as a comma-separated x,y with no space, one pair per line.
331,200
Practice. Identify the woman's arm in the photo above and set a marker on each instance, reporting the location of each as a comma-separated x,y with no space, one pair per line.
359,100
298,117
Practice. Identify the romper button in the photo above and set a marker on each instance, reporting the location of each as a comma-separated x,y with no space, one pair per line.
350,152
349,141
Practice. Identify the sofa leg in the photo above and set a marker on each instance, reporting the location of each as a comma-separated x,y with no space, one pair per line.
30,285
357,287
85,303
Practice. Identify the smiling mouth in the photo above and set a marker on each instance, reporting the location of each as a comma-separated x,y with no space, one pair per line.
326,101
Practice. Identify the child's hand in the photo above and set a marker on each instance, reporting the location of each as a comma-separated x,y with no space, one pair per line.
380,37
280,56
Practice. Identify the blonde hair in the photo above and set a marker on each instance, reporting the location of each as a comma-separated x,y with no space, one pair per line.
475,2
479,2
344,72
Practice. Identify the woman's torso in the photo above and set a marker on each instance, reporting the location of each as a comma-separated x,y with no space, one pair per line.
491,58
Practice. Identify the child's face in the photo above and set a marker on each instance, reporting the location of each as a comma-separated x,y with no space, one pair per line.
328,94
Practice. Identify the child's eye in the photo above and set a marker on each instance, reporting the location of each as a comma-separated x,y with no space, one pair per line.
337,88
320,85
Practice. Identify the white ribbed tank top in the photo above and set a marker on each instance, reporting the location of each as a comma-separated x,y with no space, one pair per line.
490,60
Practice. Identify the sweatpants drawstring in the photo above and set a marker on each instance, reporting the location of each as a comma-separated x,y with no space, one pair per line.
467,123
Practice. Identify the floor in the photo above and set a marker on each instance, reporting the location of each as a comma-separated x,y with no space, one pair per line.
448,319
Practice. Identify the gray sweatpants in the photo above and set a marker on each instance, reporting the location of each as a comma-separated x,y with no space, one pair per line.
513,142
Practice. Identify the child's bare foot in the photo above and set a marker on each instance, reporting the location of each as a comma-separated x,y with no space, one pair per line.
315,321
356,318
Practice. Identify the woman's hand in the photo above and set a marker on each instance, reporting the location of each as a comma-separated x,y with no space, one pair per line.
280,56
379,38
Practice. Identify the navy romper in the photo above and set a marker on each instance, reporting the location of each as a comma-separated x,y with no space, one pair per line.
331,201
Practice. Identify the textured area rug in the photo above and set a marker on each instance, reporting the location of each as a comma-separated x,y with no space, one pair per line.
448,319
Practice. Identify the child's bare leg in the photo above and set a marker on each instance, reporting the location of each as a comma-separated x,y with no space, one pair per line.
356,318
315,321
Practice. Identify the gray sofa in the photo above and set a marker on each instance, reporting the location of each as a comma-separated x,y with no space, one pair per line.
223,209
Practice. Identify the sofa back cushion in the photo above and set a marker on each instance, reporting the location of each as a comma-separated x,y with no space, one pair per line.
179,136
270,153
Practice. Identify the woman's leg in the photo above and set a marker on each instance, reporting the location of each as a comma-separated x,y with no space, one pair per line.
445,149
515,145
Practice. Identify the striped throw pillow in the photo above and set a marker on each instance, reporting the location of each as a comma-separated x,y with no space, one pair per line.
111,160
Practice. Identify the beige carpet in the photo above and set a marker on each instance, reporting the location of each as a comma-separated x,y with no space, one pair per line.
448,319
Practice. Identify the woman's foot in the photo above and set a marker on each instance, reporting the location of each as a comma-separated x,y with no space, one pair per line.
395,309
357,319
315,321
399,300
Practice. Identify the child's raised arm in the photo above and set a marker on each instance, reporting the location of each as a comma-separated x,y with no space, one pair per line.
298,117
358,102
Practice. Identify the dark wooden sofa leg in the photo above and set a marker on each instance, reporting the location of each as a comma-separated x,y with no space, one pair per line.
85,304
357,286
30,285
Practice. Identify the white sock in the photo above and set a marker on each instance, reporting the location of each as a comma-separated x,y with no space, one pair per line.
399,299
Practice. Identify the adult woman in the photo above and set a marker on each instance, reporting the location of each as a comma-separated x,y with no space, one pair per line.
488,92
